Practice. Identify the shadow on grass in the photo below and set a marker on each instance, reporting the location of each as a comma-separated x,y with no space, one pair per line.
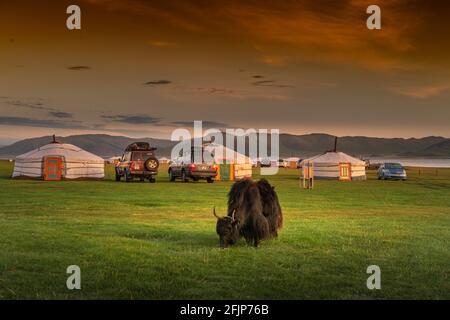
435,185
174,236
182,238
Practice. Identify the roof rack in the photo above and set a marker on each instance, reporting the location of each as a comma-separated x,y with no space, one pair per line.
139,146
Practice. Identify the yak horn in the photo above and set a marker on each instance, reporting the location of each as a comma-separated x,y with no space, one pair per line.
214,212
232,215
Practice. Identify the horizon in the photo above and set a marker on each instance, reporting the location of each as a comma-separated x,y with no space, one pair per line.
2,144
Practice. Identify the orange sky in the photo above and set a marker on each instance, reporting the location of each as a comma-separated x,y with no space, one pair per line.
141,68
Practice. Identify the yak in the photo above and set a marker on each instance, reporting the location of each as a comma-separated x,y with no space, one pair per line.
254,213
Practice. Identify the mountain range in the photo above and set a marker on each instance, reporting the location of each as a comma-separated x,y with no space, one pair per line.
290,145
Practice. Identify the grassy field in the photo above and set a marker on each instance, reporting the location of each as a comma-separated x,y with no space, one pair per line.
158,241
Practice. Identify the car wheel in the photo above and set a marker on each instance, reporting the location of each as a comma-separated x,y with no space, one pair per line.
152,180
183,176
171,176
195,179
210,180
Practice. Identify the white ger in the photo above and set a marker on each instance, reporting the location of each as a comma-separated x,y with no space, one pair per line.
336,165
57,161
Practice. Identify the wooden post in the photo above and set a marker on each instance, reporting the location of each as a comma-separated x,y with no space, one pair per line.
232,172
308,175
218,172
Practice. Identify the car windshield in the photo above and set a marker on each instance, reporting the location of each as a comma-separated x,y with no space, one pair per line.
140,155
393,166
200,155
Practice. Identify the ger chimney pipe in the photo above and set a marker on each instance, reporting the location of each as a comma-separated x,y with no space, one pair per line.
335,144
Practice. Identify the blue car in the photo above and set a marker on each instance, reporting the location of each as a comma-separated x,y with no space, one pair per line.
391,170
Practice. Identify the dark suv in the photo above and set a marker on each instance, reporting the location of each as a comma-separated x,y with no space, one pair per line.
186,168
138,161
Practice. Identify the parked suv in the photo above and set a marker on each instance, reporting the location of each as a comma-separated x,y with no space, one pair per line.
185,167
138,161
391,171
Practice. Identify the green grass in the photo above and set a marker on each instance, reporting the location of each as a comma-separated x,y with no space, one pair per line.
158,241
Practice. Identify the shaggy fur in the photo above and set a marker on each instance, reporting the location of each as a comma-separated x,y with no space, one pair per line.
271,206
254,212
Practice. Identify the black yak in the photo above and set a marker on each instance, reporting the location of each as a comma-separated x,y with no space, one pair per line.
254,212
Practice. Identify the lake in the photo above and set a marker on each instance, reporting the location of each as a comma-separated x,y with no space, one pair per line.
415,162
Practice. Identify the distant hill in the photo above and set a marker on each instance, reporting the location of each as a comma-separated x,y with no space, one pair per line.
290,145
99,144
359,146
440,149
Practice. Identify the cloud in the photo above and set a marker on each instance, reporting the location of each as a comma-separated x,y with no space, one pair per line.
236,94
30,105
60,114
421,92
273,60
79,68
30,122
175,14
157,83
145,119
161,44
213,90
205,124
271,83
36,105
289,31
132,119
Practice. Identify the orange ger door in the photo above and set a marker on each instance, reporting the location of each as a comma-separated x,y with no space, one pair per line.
52,168
345,171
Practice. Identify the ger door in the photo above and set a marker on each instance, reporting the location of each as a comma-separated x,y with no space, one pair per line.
52,168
